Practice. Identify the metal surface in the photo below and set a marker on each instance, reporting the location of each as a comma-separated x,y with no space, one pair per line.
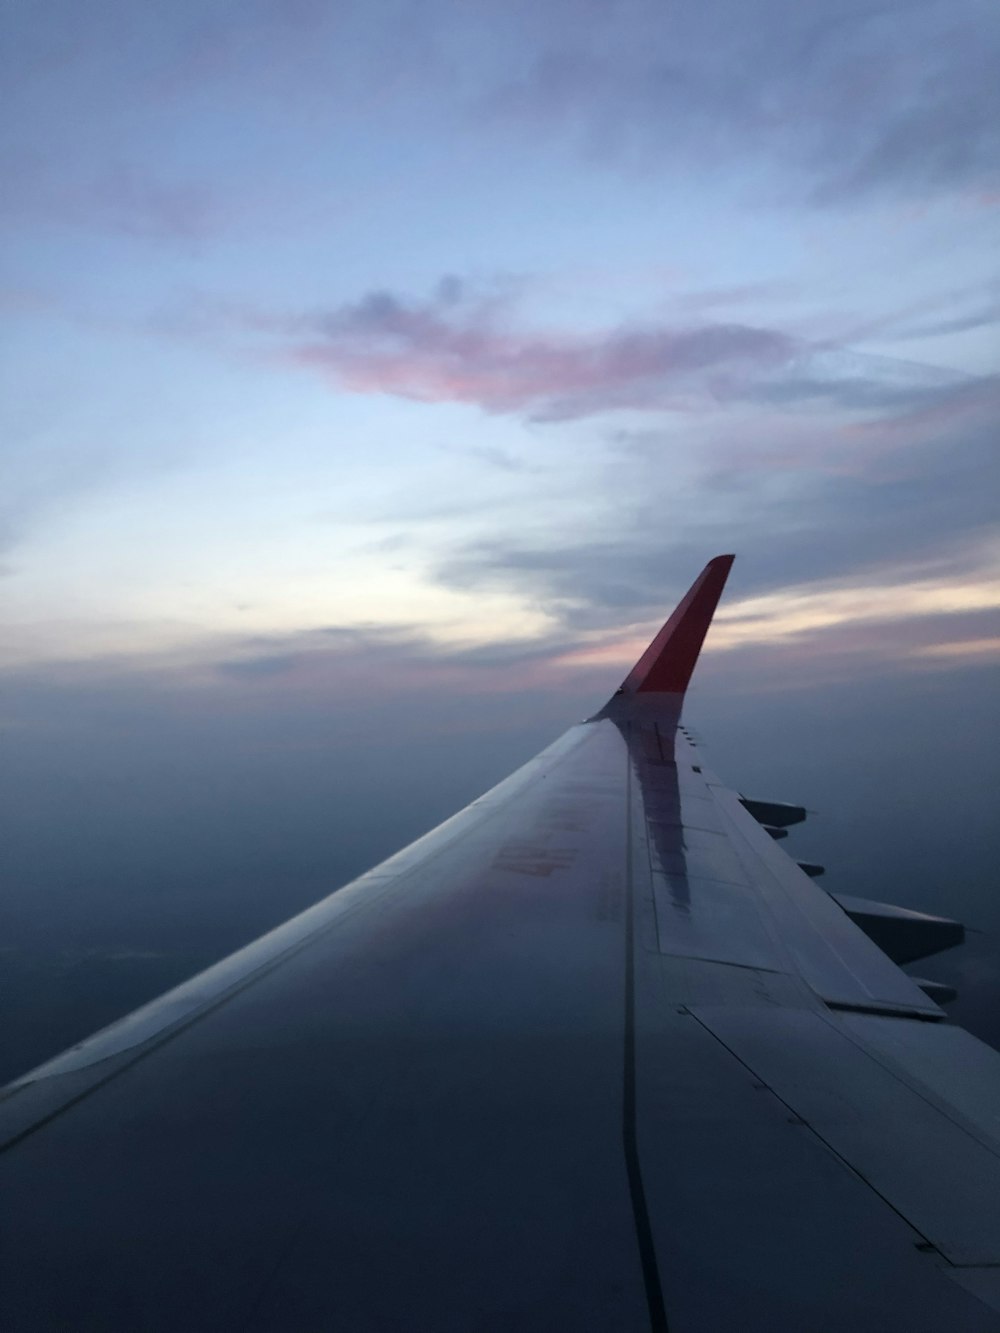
595,1054
906,936
777,814
938,991
940,1175
420,1111
811,868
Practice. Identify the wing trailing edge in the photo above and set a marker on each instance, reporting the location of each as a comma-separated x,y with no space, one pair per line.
667,664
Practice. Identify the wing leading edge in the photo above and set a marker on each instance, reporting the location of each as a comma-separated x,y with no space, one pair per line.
595,1054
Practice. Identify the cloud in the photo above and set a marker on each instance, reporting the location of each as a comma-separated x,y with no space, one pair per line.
463,344
855,102
456,349
929,315
267,665
967,310
118,198
861,624
865,100
908,497
131,202
965,649
799,610
822,636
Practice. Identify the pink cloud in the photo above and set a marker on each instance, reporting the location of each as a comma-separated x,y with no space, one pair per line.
460,346
456,349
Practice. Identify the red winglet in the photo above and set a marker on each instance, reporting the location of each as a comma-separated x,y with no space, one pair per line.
666,665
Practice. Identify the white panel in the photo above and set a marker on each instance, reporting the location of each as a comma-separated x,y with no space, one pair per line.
932,1170
701,918
834,957
950,1063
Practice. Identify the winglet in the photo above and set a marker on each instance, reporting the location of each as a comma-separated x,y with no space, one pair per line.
666,665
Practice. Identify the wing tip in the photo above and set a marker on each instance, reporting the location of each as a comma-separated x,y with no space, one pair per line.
667,664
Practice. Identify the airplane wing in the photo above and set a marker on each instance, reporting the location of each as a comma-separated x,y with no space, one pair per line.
595,1054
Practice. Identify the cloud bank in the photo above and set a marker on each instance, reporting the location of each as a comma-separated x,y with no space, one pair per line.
465,345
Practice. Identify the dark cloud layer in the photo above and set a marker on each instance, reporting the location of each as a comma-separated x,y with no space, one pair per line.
911,496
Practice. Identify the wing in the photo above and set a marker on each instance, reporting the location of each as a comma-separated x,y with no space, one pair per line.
595,1055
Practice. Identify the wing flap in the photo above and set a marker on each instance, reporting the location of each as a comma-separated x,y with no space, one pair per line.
936,1173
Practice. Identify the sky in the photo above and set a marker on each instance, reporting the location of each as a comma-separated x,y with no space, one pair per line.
376,376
